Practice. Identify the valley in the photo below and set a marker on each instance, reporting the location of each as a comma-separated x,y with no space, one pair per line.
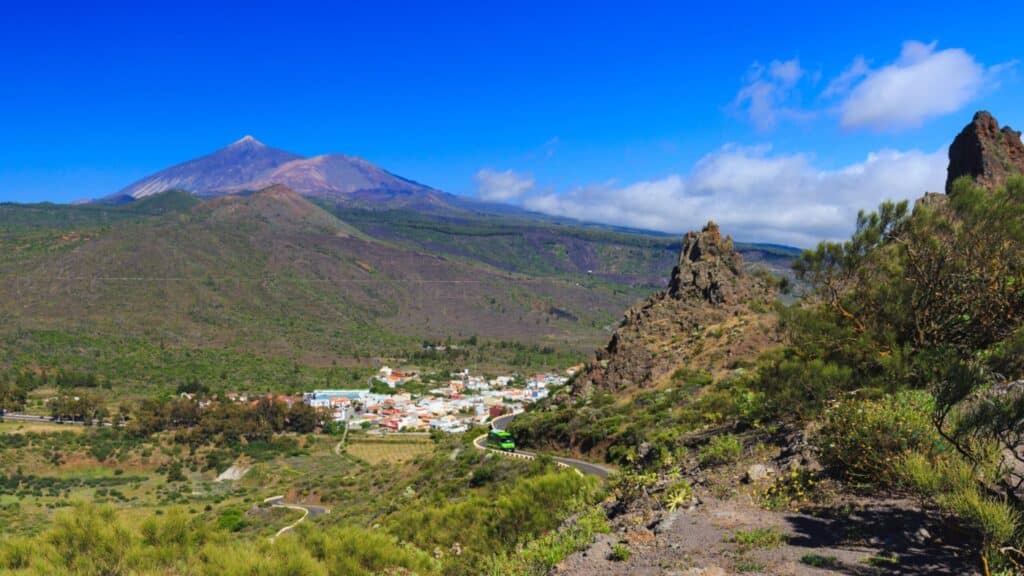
302,381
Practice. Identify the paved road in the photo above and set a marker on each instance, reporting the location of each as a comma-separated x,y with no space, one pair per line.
501,422
22,417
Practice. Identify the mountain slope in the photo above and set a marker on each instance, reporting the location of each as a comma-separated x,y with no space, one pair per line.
248,165
331,175
272,273
237,164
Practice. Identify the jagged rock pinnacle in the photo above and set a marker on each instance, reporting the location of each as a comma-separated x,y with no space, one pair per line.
985,152
709,287
708,267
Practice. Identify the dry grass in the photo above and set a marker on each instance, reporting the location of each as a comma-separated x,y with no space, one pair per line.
374,451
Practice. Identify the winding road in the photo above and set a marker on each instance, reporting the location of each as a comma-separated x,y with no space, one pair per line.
308,510
589,468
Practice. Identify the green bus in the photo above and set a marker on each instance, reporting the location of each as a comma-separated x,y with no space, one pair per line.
501,440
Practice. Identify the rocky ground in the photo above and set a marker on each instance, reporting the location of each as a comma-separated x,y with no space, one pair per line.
859,537
762,515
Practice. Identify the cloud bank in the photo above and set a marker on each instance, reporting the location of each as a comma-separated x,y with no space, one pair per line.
495,186
755,195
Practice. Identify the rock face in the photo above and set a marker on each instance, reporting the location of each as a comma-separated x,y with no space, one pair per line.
708,268
702,321
985,152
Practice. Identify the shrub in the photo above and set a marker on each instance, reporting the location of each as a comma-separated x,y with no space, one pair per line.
541,555
231,520
678,495
630,484
863,440
759,538
953,486
722,449
89,540
620,553
793,385
792,489
16,553
361,552
819,561
996,521
1007,358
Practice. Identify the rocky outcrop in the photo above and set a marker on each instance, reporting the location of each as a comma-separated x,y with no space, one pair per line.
985,152
702,320
709,269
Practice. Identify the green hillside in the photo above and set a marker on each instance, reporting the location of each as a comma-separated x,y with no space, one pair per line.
272,275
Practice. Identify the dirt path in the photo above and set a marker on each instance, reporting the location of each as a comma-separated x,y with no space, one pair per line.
871,537
306,509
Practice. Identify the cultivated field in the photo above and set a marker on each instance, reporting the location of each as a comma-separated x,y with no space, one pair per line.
394,449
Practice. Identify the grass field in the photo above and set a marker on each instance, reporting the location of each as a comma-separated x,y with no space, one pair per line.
392,450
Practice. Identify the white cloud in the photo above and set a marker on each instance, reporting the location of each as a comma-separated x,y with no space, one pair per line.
841,84
497,186
921,84
767,95
755,195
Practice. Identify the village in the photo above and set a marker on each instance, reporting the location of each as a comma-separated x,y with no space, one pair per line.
398,401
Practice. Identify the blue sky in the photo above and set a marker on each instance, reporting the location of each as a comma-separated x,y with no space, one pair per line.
651,114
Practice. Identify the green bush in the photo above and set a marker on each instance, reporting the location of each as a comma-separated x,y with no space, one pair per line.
16,553
819,561
494,518
358,552
232,520
620,553
678,495
862,440
541,555
721,449
759,538
1007,358
953,485
90,540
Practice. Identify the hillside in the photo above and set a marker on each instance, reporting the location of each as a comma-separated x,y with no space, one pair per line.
274,274
873,427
